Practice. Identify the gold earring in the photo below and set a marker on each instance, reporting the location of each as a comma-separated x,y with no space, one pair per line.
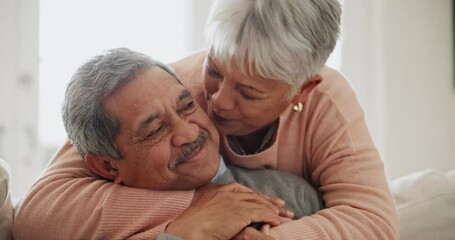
298,107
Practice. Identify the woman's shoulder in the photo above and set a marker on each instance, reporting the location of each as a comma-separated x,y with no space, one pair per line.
333,81
189,68
333,98
336,90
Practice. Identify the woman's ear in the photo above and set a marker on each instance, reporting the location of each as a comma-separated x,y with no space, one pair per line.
305,90
102,166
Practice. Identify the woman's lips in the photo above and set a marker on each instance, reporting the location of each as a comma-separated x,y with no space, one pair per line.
220,119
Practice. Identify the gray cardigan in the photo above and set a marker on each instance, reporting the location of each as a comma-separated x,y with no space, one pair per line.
300,197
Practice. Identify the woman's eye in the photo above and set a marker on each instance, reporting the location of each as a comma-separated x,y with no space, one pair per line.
214,73
247,97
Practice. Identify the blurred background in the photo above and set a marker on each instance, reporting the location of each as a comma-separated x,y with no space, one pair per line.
397,54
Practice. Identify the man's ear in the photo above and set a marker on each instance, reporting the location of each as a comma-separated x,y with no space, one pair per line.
305,90
102,166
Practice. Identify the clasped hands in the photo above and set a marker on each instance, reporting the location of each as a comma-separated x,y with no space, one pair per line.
229,212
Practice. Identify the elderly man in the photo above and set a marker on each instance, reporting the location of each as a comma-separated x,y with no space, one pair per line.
147,146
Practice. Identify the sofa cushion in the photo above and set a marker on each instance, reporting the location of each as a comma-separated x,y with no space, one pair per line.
6,206
425,203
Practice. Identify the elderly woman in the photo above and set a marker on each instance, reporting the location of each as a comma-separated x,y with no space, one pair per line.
264,84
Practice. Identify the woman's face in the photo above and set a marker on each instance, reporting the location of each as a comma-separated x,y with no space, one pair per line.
239,104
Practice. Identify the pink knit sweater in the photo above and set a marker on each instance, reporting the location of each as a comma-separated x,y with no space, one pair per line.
71,202
328,144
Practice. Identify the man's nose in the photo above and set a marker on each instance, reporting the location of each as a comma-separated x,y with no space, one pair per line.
223,98
184,132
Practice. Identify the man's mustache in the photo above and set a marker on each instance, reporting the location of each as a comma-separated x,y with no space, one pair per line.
190,148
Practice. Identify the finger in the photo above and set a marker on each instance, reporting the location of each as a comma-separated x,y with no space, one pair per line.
265,229
246,207
250,233
275,200
256,199
285,220
257,214
281,211
235,187
286,213
278,203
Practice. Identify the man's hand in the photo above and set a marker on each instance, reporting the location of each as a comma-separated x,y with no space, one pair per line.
250,233
223,211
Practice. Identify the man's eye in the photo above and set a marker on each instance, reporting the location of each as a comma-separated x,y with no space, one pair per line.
155,132
190,106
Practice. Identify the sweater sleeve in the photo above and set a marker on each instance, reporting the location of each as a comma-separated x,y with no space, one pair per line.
343,163
70,202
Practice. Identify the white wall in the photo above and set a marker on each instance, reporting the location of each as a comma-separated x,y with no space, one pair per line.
420,90
398,55
196,17
19,91
362,60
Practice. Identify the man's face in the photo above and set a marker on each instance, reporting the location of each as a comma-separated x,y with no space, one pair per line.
166,140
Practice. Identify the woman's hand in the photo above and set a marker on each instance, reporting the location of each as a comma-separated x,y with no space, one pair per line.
224,211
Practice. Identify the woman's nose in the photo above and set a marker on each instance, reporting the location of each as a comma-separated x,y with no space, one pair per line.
184,132
223,98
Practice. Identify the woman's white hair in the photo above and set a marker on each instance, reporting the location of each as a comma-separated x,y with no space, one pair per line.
286,40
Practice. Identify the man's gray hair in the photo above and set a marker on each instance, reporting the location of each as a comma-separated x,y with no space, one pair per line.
89,126
287,40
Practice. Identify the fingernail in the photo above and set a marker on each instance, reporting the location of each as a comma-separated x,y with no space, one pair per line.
281,202
289,214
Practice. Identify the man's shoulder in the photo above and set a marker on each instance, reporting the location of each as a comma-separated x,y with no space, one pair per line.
264,177
299,195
